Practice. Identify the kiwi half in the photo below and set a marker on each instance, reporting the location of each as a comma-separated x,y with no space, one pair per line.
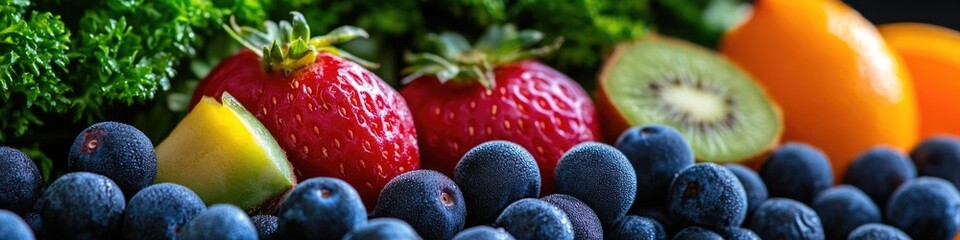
719,109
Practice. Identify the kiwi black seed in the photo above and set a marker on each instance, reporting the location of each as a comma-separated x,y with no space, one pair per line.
719,109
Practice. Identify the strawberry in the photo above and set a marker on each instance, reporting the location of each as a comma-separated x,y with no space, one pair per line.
488,92
330,115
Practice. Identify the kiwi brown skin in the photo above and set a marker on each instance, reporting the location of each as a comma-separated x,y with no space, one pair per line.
613,123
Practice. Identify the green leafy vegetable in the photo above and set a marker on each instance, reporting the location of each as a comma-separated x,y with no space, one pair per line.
33,50
590,27
699,21
118,51
128,50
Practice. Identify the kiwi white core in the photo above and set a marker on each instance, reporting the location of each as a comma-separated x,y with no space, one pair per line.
699,104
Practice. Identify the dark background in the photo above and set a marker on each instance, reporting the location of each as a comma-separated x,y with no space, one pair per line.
939,12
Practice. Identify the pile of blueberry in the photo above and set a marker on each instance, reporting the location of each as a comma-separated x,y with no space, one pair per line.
646,187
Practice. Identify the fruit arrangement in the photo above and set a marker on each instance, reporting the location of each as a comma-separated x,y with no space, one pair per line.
807,122
494,194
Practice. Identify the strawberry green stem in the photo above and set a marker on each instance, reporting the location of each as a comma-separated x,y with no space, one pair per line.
456,60
287,46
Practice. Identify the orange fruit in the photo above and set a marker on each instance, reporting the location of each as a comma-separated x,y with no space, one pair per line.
839,85
932,55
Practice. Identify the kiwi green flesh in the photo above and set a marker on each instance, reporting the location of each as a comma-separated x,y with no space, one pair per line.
720,110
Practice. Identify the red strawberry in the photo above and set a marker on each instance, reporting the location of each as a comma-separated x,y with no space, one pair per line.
470,96
332,117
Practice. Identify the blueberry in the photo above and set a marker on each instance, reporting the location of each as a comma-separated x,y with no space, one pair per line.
220,221
784,218
483,233
36,223
737,233
879,171
266,226
797,171
427,200
633,227
708,194
383,229
116,150
20,183
82,205
752,184
662,216
696,233
657,153
925,208
938,157
600,176
585,223
842,209
494,174
876,231
532,218
12,227
320,208
160,211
